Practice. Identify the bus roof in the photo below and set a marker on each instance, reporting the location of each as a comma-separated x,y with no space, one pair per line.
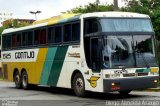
115,14
71,17
53,20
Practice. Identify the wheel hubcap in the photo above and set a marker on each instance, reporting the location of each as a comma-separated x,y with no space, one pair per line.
24,81
17,79
79,84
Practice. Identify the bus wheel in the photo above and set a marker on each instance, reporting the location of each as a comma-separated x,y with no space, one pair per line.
125,92
25,84
17,80
78,85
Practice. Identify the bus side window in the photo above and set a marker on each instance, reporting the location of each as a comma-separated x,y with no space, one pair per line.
51,35
4,43
30,38
76,32
90,26
37,34
58,34
43,36
24,38
14,40
18,43
67,33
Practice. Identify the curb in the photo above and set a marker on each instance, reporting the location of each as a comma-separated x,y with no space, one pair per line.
152,90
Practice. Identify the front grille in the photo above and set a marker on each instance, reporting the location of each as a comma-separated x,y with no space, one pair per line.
129,75
135,74
142,74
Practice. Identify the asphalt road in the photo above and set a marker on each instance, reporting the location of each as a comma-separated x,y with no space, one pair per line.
47,96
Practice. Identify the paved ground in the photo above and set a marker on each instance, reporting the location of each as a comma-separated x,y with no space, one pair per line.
46,96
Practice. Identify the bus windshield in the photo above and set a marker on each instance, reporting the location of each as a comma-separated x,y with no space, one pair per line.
126,25
128,51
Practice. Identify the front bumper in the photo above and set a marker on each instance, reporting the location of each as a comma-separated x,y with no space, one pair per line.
120,84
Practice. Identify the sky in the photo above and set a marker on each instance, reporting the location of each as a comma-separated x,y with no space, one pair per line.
49,8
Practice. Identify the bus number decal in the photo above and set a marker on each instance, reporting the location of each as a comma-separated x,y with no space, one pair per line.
7,56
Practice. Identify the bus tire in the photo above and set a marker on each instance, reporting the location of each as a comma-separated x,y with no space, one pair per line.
79,85
17,80
25,84
125,92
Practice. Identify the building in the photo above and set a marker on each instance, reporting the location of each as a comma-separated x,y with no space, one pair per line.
17,22
5,16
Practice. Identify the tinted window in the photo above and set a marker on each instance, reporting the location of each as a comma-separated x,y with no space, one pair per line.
6,41
43,36
90,26
76,32
51,35
24,38
67,33
58,34
30,38
14,40
27,38
18,43
37,34
40,37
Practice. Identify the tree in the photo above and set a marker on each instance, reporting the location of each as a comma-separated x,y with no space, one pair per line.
14,23
92,7
150,7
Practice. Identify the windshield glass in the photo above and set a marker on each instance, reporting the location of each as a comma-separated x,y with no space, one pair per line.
144,50
128,51
126,25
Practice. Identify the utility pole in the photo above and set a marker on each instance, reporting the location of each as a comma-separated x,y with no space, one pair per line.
35,13
115,5
97,3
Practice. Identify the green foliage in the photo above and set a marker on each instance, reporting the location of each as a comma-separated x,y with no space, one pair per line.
2,28
13,24
92,7
150,7
17,23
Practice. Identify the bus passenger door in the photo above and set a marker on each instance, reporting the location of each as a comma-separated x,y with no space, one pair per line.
95,77
95,54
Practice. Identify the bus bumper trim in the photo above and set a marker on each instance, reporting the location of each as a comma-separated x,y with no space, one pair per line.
121,84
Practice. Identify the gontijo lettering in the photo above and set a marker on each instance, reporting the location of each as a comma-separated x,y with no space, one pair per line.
24,55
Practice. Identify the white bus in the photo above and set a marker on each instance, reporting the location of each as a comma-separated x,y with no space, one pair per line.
98,52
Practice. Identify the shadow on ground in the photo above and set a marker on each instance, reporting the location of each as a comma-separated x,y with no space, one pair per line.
90,95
